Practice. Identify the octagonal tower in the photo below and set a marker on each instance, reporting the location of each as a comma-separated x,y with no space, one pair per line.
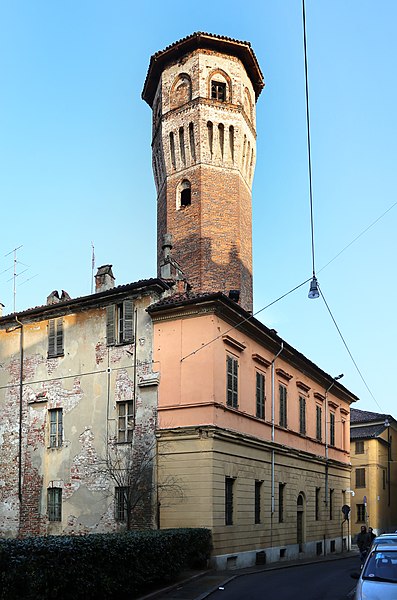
203,91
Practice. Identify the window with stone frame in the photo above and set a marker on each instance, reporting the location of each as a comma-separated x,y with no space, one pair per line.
260,395
218,90
56,427
318,422
359,447
283,405
360,513
360,478
125,421
332,429
231,381
54,504
55,337
120,323
302,415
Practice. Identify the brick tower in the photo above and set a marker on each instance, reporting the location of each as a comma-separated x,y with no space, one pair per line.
203,91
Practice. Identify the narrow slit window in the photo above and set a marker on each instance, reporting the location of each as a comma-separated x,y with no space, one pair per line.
172,149
182,145
221,135
231,142
210,131
192,144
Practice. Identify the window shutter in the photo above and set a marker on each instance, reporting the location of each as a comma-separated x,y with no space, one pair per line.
128,321
59,336
110,325
51,337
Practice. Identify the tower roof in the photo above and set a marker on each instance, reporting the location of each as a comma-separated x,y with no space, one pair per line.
226,45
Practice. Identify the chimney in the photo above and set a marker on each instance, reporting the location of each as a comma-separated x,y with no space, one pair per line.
104,279
53,298
1,309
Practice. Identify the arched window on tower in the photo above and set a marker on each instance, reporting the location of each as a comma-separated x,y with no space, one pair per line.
184,194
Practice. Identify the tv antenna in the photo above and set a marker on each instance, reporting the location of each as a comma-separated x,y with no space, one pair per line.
15,273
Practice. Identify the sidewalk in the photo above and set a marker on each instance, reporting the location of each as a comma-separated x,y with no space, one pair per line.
195,585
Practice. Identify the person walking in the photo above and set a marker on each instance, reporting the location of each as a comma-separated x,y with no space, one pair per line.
371,535
363,542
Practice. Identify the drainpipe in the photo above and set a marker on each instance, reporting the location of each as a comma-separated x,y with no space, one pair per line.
335,379
20,414
272,468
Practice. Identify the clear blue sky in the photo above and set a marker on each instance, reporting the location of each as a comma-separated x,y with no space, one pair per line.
75,160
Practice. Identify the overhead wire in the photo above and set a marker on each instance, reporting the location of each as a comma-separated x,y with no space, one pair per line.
347,348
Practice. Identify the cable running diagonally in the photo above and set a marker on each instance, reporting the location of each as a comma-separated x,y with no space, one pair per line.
347,348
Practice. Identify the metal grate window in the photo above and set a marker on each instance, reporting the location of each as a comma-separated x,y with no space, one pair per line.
317,506
229,483
120,503
281,487
258,489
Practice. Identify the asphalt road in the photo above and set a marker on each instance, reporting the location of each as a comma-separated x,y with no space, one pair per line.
318,581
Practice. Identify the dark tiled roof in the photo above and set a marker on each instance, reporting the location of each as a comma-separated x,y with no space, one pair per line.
119,289
365,416
185,298
366,431
200,39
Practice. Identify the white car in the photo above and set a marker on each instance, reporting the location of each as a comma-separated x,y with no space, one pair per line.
378,577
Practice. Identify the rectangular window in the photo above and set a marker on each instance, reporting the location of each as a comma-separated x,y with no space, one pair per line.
55,337
229,483
120,323
360,478
360,447
120,503
54,504
232,381
318,422
302,415
283,405
125,420
260,395
360,513
332,429
281,487
331,504
218,91
258,490
56,427
317,505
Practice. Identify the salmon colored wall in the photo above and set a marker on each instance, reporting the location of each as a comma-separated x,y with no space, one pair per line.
188,362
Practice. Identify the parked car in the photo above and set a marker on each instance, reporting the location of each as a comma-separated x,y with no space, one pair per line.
378,577
385,539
